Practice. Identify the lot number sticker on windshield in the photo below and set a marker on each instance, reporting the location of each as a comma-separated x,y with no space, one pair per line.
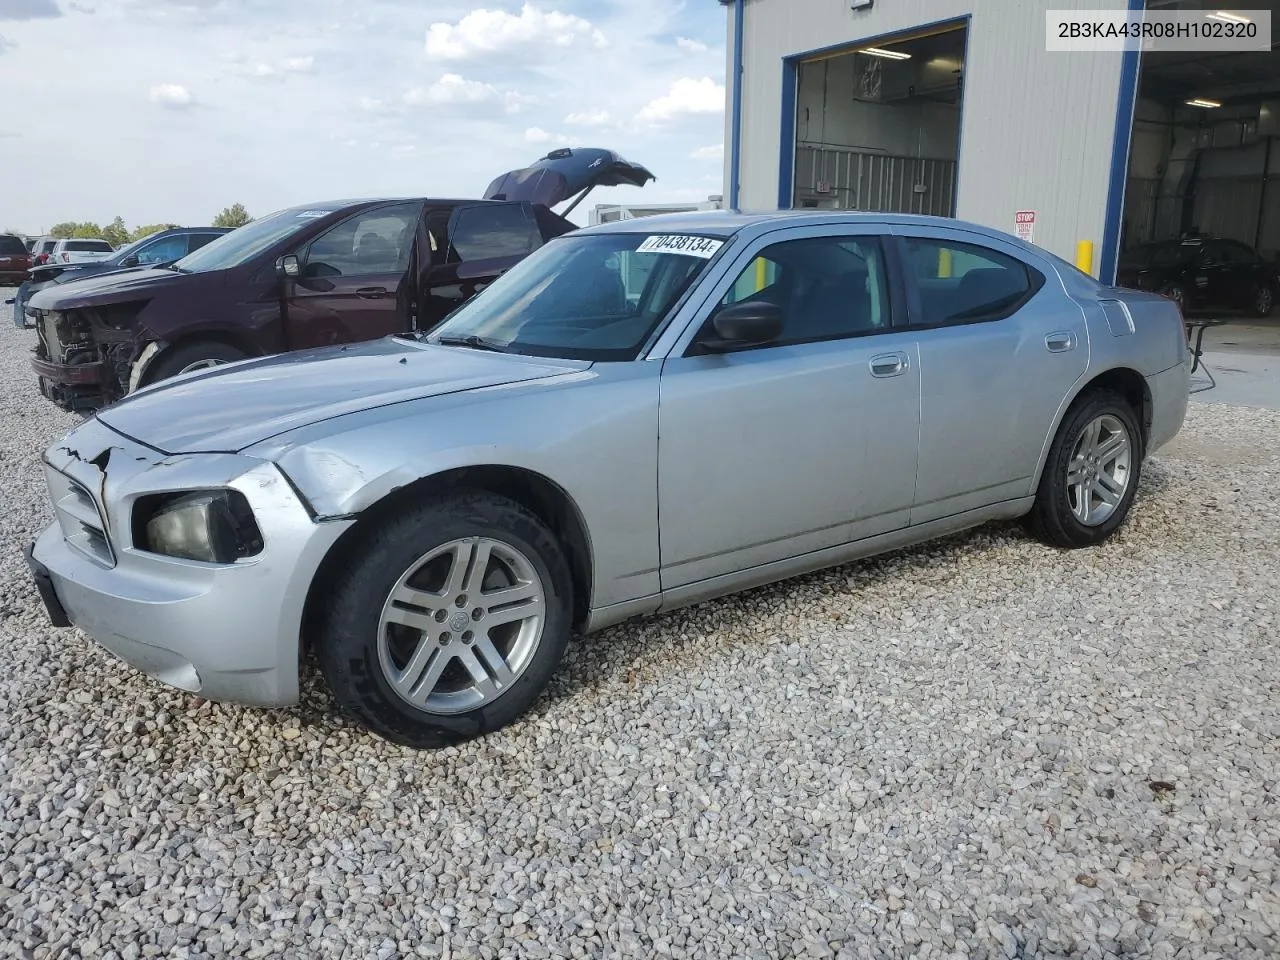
703,247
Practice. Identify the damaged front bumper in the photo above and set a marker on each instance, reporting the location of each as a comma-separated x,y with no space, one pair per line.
225,631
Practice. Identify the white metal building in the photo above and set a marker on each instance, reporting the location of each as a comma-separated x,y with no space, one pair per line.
956,107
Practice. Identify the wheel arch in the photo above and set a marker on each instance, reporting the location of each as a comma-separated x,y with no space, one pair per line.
546,499
229,338
1127,382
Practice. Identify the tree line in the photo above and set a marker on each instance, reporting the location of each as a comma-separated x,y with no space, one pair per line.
118,233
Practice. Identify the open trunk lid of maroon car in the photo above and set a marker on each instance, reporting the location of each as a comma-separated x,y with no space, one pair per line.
565,172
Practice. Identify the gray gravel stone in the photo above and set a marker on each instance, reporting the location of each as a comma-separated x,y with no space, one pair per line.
977,748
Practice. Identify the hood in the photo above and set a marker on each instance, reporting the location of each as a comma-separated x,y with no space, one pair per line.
228,408
103,287
565,172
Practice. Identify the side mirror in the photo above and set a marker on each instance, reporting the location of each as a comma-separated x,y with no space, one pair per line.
288,267
744,325
130,261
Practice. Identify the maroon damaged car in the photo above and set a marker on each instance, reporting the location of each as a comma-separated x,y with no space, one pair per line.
315,275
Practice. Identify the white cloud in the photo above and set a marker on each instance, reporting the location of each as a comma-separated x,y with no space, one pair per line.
173,96
486,32
538,135
691,46
715,152
454,90
449,89
374,105
590,118
271,71
685,96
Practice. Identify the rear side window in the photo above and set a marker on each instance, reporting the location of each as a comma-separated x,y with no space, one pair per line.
485,231
966,283
198,240
9,245
88,246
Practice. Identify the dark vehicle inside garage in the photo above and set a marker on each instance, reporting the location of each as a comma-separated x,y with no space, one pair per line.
1202,208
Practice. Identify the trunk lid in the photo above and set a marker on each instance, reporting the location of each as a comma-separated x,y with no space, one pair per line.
563,173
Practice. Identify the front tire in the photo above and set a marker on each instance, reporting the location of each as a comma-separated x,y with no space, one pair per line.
200,355
449,621
1091,475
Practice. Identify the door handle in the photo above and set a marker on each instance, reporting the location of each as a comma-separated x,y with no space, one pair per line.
371,293
1060,342
889,364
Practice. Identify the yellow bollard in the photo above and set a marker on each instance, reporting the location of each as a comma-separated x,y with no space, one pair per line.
944,262
1084,256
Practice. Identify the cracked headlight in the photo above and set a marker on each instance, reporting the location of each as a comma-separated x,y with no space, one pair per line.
215,526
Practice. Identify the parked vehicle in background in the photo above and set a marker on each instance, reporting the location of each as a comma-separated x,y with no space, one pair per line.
154,250
434,514
1203,273
29,242
81,250
324,273
15,259
42,249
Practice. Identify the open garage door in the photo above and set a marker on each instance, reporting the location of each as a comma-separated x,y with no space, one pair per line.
878,127
1202,205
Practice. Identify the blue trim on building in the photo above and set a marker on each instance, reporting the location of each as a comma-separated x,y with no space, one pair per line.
1126,103
790,81
735,167
787,159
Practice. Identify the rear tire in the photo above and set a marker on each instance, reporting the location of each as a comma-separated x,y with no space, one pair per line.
1264,300
1091,474
199,355
448,621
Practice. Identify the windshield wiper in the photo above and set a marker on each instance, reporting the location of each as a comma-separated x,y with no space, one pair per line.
476,343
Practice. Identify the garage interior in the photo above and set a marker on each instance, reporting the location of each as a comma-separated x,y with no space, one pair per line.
878,127
1204,151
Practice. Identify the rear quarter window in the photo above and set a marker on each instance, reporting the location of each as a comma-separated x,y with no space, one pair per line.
88,246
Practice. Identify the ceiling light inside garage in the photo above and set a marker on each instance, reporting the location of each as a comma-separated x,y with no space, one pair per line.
887,54
1227,17
1199,102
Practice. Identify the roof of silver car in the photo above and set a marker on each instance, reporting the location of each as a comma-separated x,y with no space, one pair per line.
724,223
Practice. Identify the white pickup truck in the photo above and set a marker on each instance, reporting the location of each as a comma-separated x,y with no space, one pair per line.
80,251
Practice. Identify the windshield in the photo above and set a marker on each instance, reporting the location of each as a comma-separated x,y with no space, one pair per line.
583,297
244,243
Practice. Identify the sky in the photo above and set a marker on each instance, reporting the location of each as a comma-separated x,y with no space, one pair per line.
170,110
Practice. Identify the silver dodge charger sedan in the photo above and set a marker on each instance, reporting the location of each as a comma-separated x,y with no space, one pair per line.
641,415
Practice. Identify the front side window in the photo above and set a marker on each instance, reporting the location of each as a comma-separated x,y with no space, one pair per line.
966,283
826,287
486,231
593,297
197,240
163,251
376,241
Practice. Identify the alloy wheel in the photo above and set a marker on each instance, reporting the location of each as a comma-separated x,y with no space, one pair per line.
461,625
1100,470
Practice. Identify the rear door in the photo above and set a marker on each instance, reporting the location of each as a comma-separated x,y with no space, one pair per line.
481,242
1000,347
353,283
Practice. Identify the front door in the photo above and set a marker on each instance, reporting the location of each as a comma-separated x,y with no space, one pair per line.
999,350
354,282
805,443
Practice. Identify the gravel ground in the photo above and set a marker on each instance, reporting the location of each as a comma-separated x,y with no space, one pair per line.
982,748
